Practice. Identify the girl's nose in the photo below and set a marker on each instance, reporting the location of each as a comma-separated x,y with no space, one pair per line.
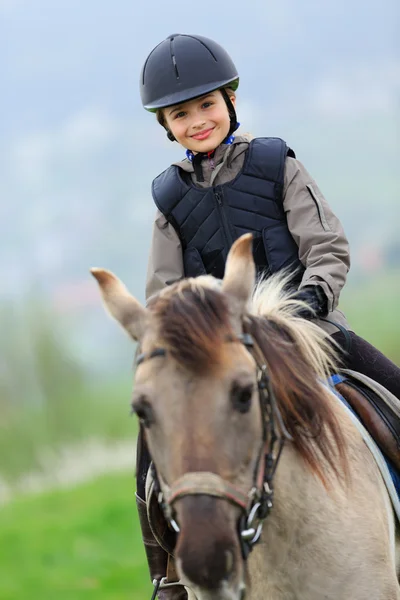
199,123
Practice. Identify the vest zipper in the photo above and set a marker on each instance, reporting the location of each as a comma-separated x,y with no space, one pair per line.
225,224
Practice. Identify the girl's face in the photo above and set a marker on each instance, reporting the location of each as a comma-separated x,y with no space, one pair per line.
201,124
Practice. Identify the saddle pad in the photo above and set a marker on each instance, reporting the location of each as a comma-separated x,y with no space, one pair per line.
375,451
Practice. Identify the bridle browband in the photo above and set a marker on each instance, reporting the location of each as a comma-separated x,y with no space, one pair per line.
255,504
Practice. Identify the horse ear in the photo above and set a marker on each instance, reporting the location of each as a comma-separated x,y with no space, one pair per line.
120,304
240,273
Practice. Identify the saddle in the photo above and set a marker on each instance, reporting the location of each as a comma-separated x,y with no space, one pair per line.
377,409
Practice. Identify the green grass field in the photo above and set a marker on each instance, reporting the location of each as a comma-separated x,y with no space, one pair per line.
83,543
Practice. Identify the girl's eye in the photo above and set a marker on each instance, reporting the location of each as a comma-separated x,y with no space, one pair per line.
179,115
206,104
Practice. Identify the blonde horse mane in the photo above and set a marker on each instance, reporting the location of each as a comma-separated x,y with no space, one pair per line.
271,300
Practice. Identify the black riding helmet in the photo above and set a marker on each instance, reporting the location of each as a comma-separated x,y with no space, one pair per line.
183,67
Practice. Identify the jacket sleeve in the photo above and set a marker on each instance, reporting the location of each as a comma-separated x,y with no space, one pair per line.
323,246
165,264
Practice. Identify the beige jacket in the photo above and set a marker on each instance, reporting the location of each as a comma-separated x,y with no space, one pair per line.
323,247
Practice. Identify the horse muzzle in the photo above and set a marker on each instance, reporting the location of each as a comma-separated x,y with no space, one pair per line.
208,553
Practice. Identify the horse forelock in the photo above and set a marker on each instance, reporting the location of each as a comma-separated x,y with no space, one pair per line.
193,324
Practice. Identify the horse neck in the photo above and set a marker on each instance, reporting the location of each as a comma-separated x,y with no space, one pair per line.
314,533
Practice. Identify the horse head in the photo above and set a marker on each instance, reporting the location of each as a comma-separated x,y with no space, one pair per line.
209,411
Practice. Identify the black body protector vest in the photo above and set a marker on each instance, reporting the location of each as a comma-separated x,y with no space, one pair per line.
209,220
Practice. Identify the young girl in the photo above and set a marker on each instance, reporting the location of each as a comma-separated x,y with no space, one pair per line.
229,185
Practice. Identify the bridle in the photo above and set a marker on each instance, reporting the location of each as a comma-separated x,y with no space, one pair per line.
255,504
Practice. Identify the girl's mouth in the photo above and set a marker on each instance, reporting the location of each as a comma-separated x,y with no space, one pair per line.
202,135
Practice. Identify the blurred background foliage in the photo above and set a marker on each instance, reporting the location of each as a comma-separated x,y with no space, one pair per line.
77,155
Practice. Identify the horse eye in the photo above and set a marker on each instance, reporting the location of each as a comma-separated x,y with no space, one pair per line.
143,410
241,397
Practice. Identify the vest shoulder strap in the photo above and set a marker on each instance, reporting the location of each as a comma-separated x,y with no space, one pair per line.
266,159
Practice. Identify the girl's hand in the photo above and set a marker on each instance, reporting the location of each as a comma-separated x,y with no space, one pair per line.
314,297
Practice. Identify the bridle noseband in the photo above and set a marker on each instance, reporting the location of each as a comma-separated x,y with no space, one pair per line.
255,504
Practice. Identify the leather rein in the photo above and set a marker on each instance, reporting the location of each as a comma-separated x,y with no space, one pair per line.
255,504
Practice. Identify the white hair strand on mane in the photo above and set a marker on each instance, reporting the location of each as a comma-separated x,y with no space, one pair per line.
272,300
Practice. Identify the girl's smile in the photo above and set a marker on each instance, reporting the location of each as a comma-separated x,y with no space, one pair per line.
203,135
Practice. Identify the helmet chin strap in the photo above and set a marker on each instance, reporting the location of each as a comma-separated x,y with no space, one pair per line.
232,115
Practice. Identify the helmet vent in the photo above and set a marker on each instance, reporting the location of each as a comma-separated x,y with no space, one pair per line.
173,58
175,66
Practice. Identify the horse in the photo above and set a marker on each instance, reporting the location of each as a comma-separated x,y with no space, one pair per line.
261,472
